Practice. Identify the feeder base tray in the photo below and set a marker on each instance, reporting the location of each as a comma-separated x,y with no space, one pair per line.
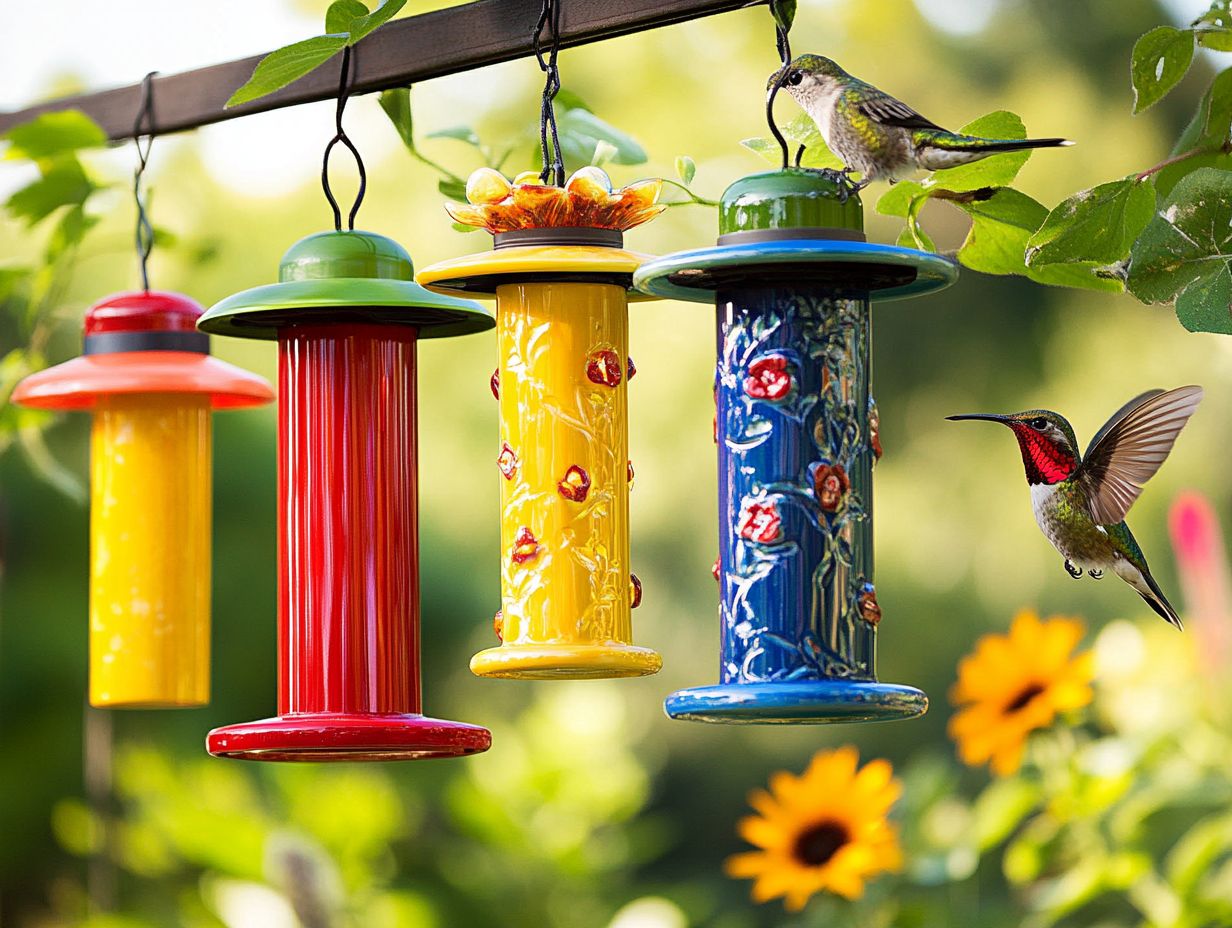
335,736
565,661
800,702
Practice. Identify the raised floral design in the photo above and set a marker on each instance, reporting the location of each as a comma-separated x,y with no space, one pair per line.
525,546
603,367
575,485
635,591
870,612
507,461
769,378
830,486
498,624
631,368
760,522
587,200
494,383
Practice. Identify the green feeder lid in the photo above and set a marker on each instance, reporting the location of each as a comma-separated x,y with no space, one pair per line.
796,199
344,277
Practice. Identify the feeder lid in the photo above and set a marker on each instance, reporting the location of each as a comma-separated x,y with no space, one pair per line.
510,262
795,226
142,342
344,277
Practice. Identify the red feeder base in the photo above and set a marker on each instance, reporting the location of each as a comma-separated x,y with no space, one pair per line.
336,736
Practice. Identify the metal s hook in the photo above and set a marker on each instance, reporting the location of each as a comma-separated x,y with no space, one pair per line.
143,138
783,45
344,90
553,161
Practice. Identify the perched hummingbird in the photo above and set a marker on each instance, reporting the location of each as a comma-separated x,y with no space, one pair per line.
1080,502
876,135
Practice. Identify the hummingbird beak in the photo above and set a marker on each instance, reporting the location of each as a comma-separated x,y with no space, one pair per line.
980,415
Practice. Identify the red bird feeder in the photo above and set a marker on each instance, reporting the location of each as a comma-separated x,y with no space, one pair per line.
347,317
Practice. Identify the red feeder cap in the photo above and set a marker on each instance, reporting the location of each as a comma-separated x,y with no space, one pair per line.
142,342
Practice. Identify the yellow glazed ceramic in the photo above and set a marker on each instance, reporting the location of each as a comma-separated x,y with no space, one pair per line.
150,550
561,278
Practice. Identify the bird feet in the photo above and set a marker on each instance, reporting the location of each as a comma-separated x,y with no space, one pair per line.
1073,571
1095,574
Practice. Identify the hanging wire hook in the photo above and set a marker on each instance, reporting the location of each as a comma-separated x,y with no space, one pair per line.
784,49
553,162
143,138
344,90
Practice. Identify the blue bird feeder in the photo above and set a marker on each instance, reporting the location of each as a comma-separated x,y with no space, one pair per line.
792,278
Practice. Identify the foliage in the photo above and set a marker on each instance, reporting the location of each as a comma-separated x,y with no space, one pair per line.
346,22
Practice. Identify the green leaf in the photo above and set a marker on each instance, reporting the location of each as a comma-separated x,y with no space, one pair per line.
568,100
581,130
53,134
452,189
1213,29
686,169
397,106
68,232
342,13
461,133
784,13
285,65
64,183
463,227
1088,275
1001,808
767,148
1183,253
369,22
1159,60
30,426
993,171
1000,229
604,152
898,199
1097,225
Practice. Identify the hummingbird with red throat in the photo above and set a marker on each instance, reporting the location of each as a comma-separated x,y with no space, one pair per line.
1080,501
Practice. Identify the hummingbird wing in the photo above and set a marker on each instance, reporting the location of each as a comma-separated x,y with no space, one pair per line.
1130,448
882,108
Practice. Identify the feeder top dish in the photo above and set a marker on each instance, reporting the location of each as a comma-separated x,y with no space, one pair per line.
142,342
794,227
343,278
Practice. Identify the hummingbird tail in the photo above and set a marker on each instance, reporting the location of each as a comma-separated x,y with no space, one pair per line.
937,150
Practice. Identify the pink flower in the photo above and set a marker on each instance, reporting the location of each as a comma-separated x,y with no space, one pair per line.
769,378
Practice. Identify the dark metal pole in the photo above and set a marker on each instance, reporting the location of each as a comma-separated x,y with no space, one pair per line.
406,51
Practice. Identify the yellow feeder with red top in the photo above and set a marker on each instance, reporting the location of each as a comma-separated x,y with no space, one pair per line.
147,376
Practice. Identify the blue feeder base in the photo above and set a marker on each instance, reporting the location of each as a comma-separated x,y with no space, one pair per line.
806,702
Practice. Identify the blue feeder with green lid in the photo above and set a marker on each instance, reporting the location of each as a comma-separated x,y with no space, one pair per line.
347,315
792,278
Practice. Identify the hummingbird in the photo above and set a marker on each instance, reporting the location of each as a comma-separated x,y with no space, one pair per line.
876,135
1080,502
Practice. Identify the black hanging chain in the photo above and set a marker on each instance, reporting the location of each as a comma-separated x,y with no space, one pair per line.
143,138
344,91
783,44
553,162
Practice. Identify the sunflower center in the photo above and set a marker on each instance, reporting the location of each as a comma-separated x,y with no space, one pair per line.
1025,696
816,845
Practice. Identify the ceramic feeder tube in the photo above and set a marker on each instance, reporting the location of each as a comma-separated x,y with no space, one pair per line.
348,601
795,485
564,467
150,550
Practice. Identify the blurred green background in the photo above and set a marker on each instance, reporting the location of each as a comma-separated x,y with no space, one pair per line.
592,808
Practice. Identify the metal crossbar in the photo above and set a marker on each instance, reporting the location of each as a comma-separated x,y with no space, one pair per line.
405,51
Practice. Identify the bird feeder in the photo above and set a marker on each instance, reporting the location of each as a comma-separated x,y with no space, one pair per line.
792,278
147,376
347,317
560,276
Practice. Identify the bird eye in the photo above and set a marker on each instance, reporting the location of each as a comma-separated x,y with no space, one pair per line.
795,77
1039,423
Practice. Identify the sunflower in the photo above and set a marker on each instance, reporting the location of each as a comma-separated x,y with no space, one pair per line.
823,830
1010,685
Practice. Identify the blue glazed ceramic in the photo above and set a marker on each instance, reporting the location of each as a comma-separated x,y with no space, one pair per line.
796,428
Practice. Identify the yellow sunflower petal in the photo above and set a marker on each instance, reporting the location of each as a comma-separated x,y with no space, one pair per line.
1008,758
763,833
748,864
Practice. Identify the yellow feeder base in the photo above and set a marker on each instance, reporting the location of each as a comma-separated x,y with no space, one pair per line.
150,551
565,661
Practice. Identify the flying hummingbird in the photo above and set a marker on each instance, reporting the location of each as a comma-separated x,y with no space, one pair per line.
877,135
1080,502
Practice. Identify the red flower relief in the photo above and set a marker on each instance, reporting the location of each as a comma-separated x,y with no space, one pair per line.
635,591
494,383
631,368
769,378
603,367
630,475
830,485
498,624
575,484
715,568
507,461
870,612
525,546
874,431
760,522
